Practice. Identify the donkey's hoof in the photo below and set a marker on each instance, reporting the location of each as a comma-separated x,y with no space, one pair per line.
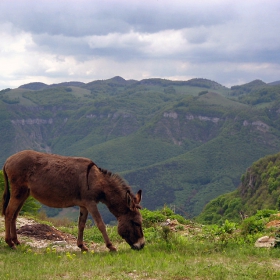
13,247
83,248
112,249
16,242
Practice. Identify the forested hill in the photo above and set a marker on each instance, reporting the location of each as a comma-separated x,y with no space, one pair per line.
182,142
259,189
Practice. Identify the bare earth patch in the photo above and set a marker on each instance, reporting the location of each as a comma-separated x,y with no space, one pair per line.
40,236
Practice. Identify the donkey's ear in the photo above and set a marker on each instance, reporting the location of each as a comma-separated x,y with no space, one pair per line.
138,197
130,202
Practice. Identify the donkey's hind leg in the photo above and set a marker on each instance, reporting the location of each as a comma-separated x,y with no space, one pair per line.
11,214
10,234
13,225
82,224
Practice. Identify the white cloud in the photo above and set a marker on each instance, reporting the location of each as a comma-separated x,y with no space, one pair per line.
226,41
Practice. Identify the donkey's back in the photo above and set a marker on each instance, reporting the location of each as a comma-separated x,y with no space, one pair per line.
54,180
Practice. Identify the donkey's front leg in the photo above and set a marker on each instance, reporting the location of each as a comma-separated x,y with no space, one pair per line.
81,227
101,226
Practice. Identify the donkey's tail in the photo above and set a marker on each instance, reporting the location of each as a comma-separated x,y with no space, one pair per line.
6,195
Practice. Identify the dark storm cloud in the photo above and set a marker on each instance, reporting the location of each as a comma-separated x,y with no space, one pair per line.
84,18
222,40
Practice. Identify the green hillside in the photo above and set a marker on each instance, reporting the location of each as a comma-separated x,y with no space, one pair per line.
259,189
183,142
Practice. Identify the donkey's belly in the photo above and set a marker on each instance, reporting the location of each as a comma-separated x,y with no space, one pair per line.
55,197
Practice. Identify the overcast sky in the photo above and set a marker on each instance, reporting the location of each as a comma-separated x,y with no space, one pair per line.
51,41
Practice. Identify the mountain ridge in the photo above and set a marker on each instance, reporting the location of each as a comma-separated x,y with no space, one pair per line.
183,142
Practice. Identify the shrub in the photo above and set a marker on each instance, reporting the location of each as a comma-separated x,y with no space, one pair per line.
252,225
265,213
150,218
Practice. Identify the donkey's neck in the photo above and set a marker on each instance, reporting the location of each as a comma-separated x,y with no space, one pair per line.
115,200
111,189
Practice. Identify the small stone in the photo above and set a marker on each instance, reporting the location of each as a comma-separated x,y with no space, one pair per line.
60,243
265,242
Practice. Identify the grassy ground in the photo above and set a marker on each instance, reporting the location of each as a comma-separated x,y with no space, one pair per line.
181,250
156,261
170,257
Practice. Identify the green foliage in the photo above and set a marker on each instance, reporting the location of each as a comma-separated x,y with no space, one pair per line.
185,142
229,227
221,251
52,96
258,194
257,94
252,225
256,223
6,98
189,260
264,213
31,206
150,218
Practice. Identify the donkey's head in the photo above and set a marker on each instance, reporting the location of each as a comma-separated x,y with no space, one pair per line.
130,224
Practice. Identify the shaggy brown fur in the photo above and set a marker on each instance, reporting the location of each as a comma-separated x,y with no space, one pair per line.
59,181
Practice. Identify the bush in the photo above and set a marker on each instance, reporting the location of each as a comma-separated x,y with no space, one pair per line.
252,225
265,213
151,218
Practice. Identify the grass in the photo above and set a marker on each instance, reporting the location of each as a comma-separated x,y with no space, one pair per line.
210,252
182,259
192,252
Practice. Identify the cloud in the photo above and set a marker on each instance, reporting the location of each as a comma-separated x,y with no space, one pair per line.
226,41
100,17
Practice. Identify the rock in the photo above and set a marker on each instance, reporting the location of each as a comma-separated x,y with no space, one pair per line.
166,223
174,223
274,223
60,243
265,242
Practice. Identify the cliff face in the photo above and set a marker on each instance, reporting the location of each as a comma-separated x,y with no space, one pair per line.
183,143
259,189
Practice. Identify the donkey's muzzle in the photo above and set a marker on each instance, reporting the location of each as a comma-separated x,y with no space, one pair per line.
139,245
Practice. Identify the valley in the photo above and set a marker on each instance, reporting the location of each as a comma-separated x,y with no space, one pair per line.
182,142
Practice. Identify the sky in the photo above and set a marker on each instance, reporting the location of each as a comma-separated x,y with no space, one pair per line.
230,42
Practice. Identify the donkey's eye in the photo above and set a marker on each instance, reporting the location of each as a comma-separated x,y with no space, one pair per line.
136,224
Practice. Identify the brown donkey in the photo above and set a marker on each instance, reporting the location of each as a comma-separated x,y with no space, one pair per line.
59,181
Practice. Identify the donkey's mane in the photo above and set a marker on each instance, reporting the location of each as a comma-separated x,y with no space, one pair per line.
118,180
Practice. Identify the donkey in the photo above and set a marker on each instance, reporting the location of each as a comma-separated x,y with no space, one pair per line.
60,181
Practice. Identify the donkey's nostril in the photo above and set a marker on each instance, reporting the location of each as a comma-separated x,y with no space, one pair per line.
139,245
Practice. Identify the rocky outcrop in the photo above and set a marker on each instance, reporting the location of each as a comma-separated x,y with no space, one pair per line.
258,124
265,242
30,121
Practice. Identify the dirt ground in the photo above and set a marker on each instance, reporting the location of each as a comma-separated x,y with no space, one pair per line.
40,236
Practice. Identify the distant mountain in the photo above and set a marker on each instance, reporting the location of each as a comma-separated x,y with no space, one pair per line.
197,82
68,84
247,88
274,83
259,189
182,142
39,86
34,86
